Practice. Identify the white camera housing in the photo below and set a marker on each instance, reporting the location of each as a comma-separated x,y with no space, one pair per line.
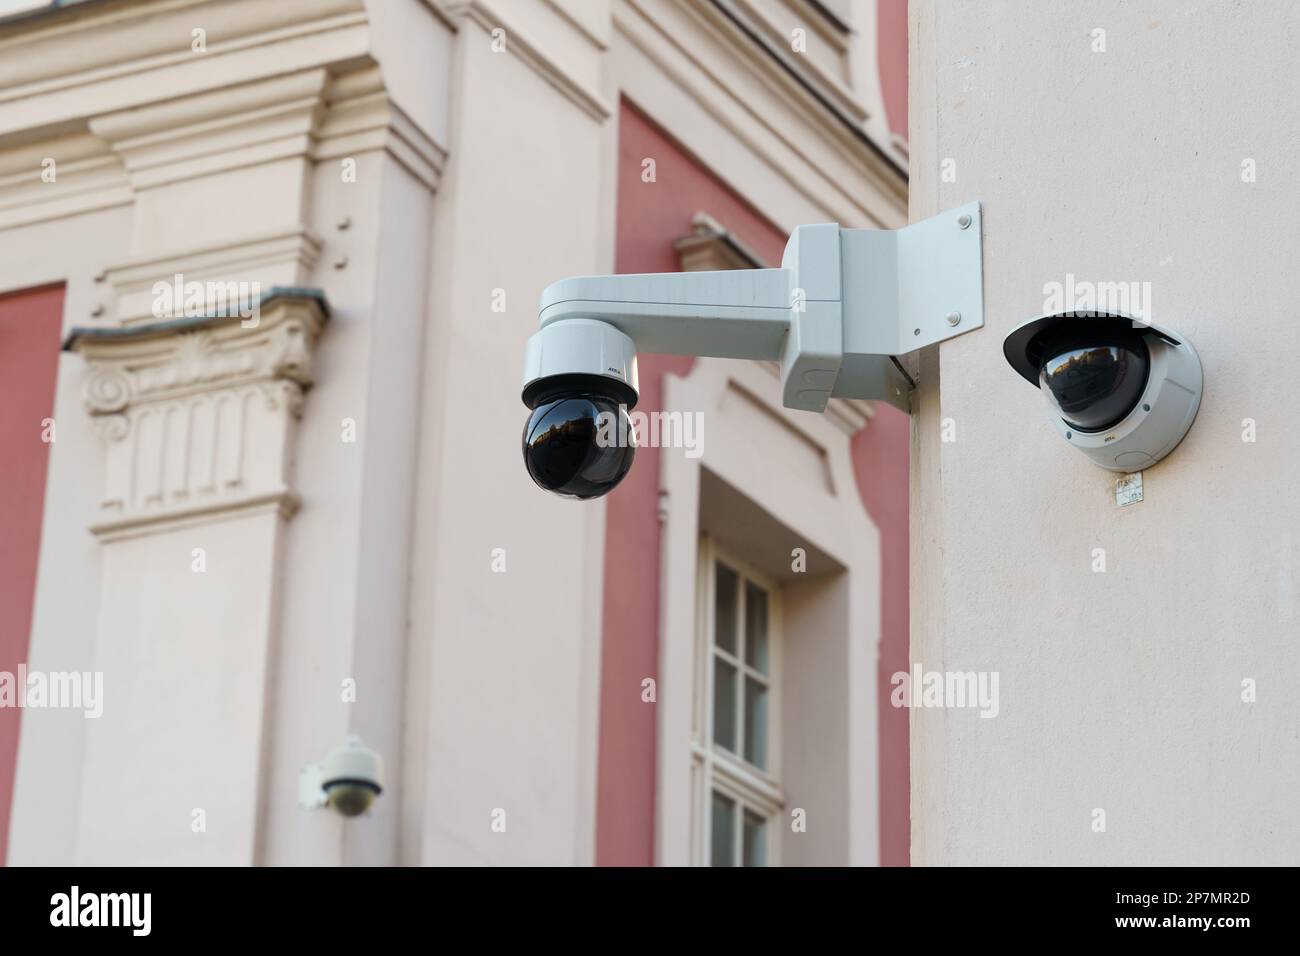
1161,414
347,780
577,347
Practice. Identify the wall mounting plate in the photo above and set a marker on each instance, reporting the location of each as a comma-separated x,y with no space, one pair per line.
908,288
311,793
890,292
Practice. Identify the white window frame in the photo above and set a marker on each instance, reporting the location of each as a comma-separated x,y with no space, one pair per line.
715,767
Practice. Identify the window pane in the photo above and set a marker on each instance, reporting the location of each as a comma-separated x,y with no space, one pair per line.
755,723
724,831
724,703
755,840
724,621
756,627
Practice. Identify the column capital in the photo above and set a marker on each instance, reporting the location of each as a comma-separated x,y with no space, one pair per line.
181,404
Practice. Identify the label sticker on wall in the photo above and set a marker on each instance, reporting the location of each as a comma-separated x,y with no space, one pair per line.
1128,489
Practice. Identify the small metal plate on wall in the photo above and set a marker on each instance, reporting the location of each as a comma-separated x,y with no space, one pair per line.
1128,489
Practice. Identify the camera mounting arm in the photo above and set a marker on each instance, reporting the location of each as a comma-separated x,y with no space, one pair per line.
743,313
844,303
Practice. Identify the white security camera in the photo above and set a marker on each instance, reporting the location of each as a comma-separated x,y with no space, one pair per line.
1121,391
844,303
348,779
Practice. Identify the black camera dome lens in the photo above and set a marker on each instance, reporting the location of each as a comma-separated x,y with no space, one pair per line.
1093,387
579,446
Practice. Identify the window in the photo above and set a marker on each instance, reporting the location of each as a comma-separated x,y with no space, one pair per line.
739,793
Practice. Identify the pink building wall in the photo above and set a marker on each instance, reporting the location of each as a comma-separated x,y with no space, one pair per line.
650,216
880,464
30,322
891,56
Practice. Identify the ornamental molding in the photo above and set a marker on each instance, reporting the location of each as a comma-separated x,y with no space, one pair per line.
92,116
554,69
198,416
784,116
282,257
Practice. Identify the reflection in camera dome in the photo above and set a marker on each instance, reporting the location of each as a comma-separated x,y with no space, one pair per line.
562,451
1095,387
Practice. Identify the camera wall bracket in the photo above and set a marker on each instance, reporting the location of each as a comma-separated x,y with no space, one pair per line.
311,789
844,303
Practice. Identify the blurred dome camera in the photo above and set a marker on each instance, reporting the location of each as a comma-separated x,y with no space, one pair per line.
352,775
580,382
1123,392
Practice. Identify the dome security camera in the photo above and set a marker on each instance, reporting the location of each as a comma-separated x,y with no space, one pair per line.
844,303
1121,391
582,382
351,776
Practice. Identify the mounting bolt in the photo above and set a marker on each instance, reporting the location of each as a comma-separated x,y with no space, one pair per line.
954,318
964,221
345,222
97,311
341,262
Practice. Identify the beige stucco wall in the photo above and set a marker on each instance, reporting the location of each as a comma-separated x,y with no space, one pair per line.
1119,690
509,703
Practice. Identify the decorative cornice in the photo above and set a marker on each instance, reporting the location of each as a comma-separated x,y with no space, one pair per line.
87,176
90,46
482,14
177,140
595,39
361,116
760,16
309,114
710,247
282,258
82,334
836,109
198,414
761,105
831,19
843,114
